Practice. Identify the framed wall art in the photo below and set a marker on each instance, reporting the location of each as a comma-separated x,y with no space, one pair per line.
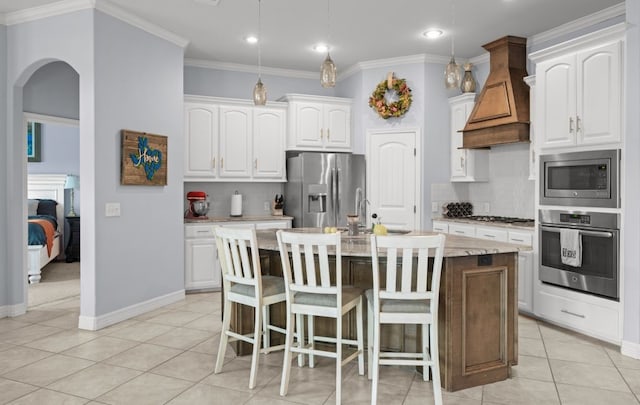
144,159
33,141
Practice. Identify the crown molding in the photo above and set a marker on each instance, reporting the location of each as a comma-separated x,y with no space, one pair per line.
575,25
237,67
476,60
69,6
390,62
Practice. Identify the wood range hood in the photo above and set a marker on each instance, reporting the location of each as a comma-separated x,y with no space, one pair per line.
501,113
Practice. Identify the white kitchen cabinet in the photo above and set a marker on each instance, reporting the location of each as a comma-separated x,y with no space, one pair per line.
462,230
201,140
489,233
525,282
579,91
236,130
318,123
440,226
201,265
233,140
533,160
467,165
268,143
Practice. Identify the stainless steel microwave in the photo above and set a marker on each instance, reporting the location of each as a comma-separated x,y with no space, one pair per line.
581,179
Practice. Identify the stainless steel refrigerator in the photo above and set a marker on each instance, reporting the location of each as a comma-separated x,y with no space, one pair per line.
322,188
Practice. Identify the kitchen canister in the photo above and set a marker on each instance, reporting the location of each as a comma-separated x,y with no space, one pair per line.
236,204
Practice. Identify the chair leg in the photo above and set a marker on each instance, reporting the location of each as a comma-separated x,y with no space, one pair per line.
360,337
425,351
266,340
300,337
224,338
339,359
369,338
376,358
286,366
256,348
435,368
312,343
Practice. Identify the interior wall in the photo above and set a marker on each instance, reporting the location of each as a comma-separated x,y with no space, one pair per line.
60,150
4,164
53,90
139,86
31,45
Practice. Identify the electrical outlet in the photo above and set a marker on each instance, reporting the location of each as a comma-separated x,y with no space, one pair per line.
266,206
112,210
434,207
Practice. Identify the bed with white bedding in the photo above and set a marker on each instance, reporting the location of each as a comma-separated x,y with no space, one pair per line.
45,205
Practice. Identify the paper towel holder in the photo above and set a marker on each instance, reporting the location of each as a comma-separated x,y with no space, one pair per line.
236,204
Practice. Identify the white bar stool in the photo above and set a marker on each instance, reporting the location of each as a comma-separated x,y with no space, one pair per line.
243,283
414,302
311,297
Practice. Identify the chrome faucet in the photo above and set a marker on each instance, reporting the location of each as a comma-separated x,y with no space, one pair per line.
360,205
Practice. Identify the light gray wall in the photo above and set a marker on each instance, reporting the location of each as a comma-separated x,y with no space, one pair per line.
631,196
4,234
139,86
53,90
31,45
224,83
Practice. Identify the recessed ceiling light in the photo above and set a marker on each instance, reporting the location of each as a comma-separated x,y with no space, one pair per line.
432,33
251,39
321,48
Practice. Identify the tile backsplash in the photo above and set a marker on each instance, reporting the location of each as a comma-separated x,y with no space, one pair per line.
254,196
509,192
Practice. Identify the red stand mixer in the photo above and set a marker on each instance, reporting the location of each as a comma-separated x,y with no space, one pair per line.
198,205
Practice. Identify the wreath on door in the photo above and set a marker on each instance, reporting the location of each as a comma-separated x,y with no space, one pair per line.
382,103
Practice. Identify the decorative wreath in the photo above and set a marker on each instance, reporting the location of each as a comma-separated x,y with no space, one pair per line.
398,108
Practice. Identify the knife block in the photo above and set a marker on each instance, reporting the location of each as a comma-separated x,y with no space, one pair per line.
275,211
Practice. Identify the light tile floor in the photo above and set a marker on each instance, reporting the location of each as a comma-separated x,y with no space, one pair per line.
167,357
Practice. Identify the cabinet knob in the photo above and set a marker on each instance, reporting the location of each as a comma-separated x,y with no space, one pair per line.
255,164
462,161
328,133
578,120
321,133
213,163
570,124
221,163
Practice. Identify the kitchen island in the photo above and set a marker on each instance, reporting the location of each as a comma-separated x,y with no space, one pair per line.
478,322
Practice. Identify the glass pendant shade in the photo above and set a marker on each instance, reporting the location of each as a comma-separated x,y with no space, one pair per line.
452,74
259,93
328,72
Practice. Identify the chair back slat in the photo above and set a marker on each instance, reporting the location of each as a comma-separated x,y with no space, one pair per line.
238,253
423,268
407,270
293,245
392,258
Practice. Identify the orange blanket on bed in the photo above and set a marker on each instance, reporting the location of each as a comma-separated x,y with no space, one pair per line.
49,231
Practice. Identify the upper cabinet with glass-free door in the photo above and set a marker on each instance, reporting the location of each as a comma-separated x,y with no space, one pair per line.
319,123
579,91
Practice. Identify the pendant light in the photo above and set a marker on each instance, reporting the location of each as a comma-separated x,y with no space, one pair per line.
328,68
259,90
452,74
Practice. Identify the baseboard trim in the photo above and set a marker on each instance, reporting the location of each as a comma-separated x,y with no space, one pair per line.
630,349
102,321
12,310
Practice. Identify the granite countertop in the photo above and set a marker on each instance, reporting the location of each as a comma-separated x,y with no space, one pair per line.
486,223
244,218
455,246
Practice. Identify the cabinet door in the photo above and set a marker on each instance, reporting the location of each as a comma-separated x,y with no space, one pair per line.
274,224
308,124
556,102
201,140
202,269
439,226
525,281
462,230
268,143
337,126
458,155
598,95
235,141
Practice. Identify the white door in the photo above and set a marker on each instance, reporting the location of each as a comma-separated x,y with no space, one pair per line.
337,126
235,141
393,188
268,143
556,102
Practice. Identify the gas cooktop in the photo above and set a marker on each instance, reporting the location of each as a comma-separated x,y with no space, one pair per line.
504,220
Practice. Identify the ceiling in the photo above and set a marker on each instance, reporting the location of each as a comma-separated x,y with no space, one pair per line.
360,30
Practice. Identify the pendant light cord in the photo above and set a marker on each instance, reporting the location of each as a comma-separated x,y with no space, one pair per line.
453,25
328,25
259,41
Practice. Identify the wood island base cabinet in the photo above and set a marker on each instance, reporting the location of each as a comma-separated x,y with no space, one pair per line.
477,317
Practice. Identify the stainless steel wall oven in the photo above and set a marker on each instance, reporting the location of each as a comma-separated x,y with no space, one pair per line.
582,179
600,234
